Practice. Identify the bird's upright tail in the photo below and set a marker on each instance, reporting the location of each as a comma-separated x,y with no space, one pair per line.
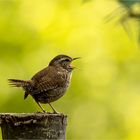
18,83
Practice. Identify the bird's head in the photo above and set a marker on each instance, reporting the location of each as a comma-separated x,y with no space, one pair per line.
63,61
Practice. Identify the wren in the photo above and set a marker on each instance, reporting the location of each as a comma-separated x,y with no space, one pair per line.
49,84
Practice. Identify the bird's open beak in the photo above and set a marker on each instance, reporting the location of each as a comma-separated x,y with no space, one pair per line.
76,58
73,60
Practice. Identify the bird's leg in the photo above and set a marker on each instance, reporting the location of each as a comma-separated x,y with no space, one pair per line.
54,110
41,106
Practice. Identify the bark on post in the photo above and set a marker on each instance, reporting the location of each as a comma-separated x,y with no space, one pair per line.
33,126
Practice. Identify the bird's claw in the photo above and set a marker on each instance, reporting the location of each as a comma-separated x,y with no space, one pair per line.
56,112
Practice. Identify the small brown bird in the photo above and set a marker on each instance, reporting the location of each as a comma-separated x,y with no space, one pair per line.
49,84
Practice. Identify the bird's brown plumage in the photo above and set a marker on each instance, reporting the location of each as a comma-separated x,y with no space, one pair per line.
49,84
46,82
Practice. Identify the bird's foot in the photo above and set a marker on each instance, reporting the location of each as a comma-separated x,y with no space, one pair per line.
44,111
56,112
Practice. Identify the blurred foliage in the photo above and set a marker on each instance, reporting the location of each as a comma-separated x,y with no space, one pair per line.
129,3
133,9
103,101
125,12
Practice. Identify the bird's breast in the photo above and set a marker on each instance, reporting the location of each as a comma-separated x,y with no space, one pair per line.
66,79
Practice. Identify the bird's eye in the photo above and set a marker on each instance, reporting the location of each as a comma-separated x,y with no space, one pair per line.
67,60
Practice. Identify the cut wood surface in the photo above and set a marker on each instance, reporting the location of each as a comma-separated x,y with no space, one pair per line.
33,125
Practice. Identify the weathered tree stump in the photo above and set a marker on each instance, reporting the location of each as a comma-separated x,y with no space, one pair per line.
33,126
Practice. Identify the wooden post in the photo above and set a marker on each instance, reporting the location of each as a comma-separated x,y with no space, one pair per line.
33,126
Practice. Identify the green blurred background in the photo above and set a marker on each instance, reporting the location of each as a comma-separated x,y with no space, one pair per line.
103,101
